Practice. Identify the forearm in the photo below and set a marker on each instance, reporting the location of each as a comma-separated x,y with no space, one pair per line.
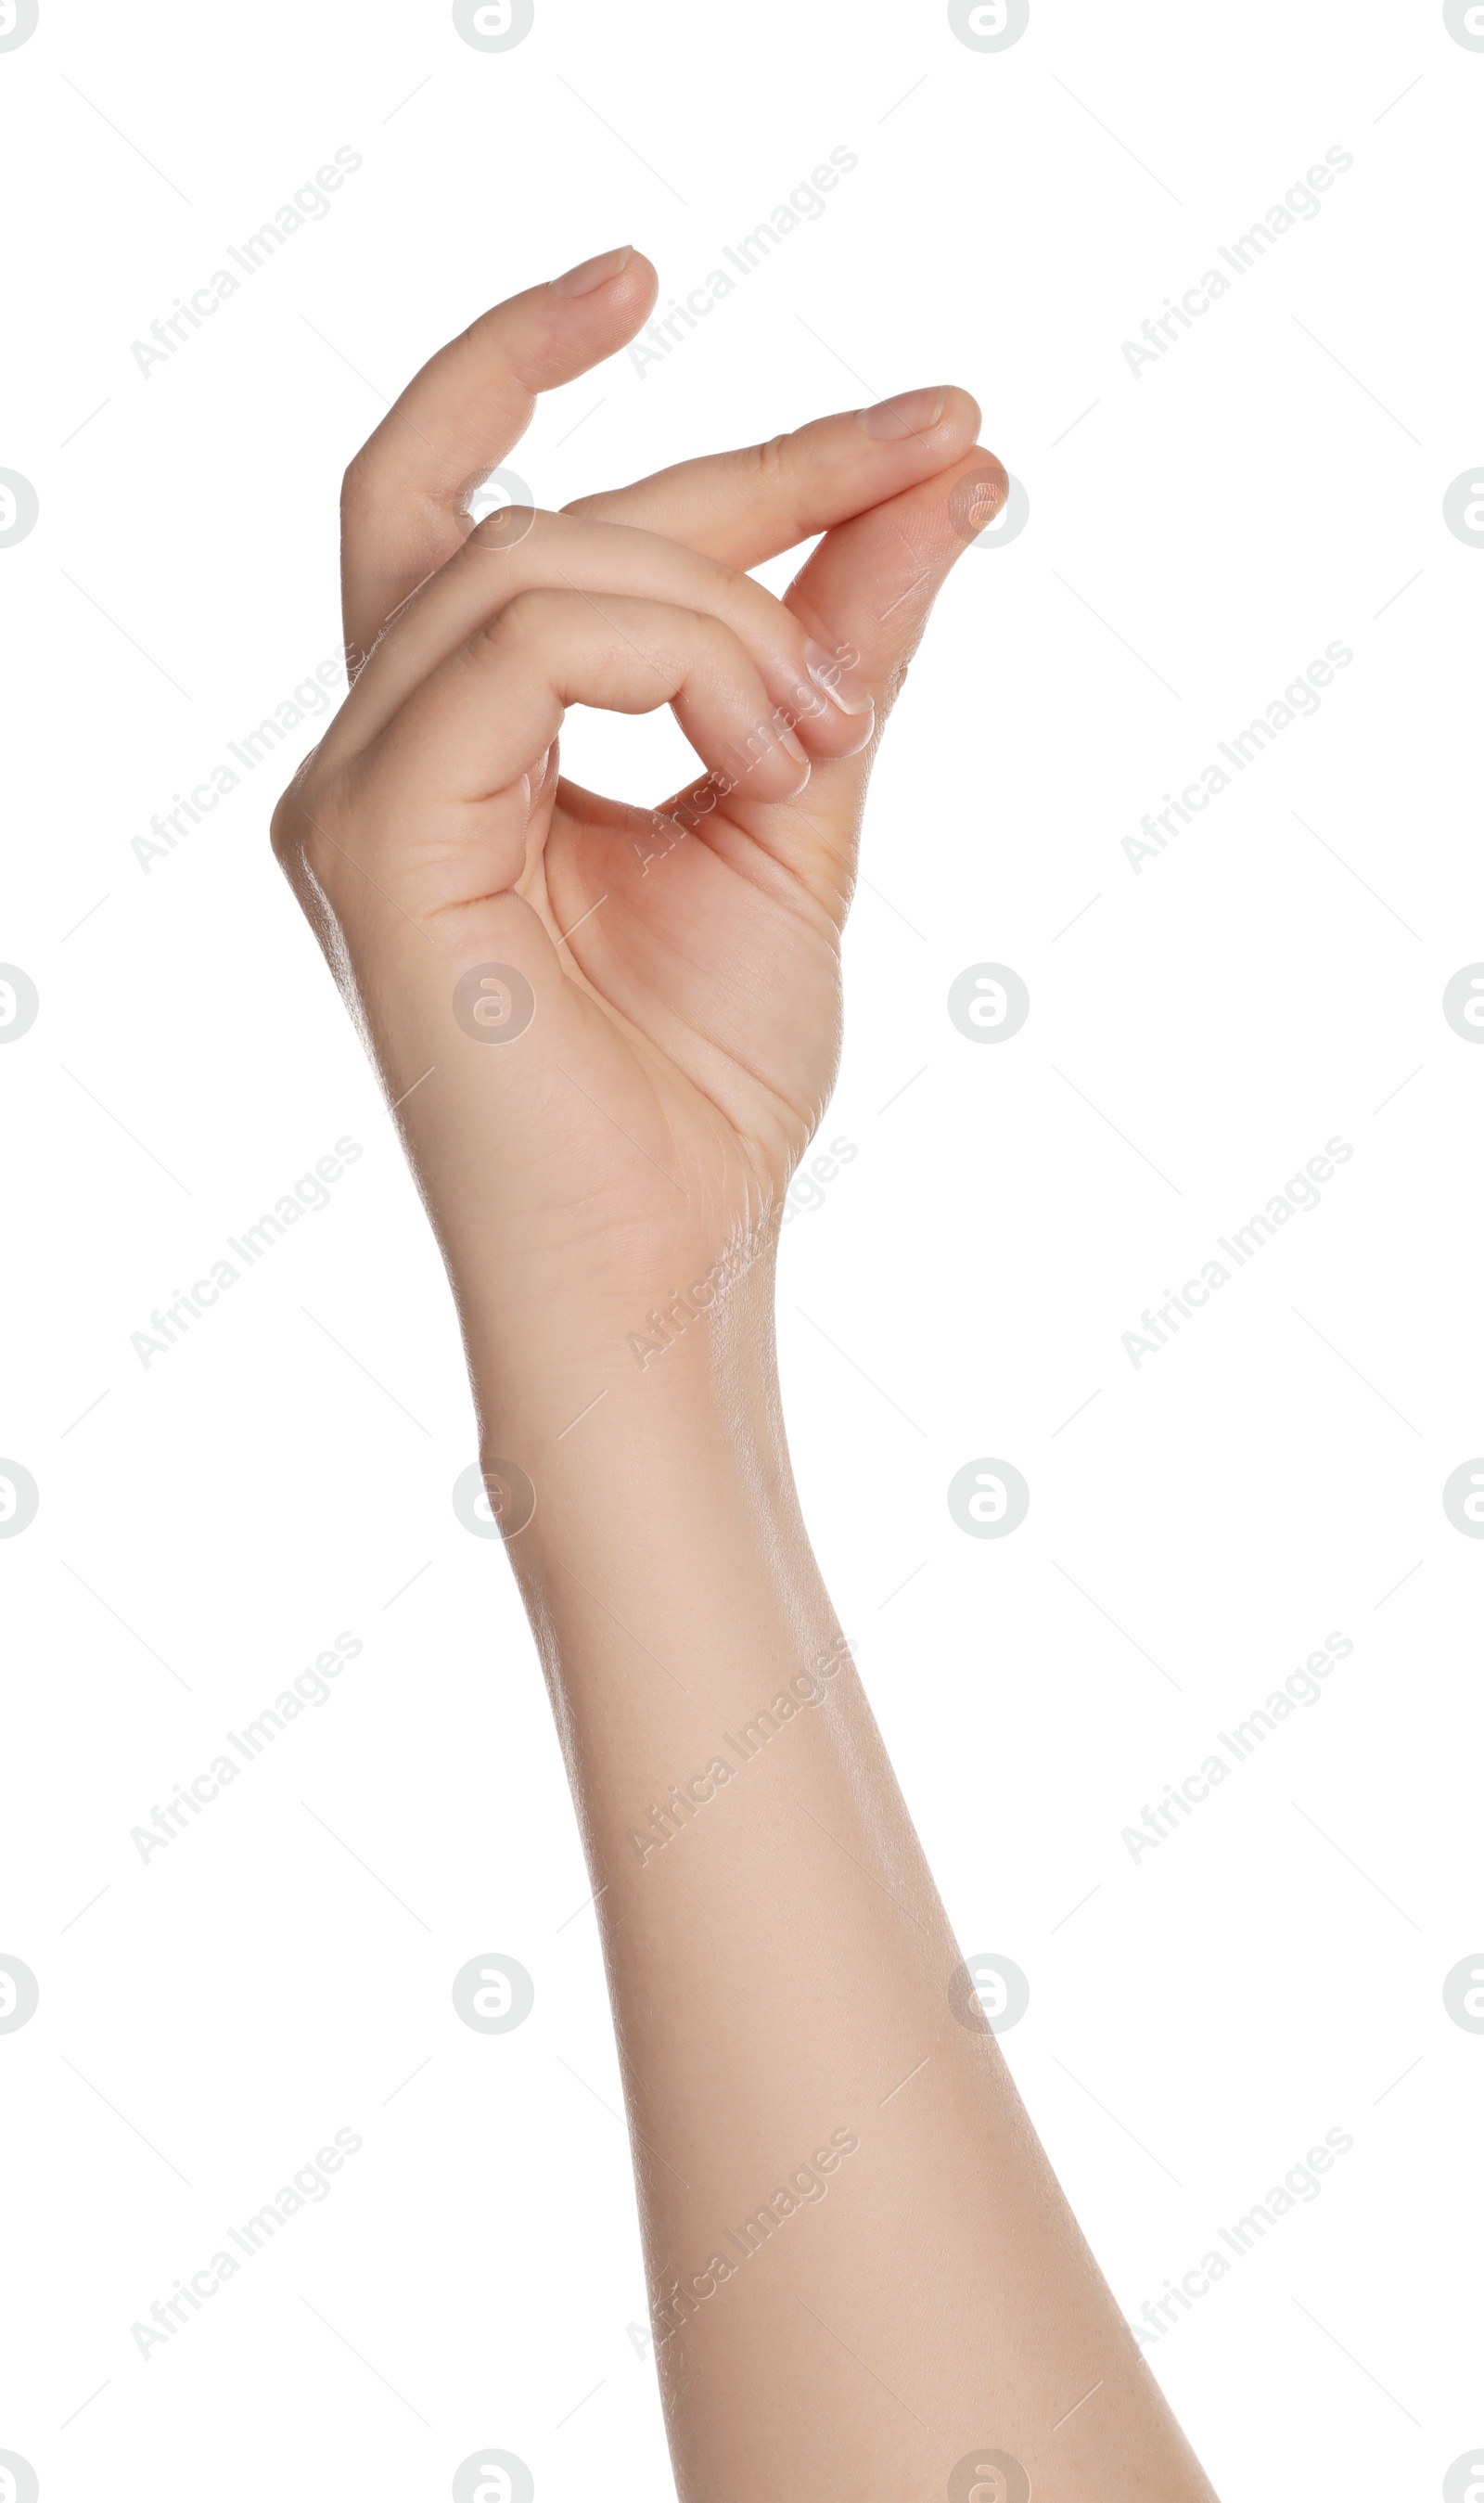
612,1053
781,1971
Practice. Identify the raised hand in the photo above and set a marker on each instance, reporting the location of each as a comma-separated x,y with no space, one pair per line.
611,1028
609,1031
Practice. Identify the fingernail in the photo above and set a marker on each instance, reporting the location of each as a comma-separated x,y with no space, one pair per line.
589,274
836,682
793,747
909,413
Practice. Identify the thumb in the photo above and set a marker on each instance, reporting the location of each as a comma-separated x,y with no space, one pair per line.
869,588
865,594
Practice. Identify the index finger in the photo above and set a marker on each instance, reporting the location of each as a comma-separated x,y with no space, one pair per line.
401,506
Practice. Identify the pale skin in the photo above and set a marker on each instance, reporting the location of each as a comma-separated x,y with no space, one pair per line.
777,1954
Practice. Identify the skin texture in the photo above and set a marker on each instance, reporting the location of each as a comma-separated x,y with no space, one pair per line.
605,1170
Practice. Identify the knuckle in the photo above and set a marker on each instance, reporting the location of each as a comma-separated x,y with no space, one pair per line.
774,459
517,619
732,584
494,532
282,837
357,499
287,827
708,643
302,807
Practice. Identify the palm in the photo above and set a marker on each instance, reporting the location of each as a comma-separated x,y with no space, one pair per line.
684,1049
716,950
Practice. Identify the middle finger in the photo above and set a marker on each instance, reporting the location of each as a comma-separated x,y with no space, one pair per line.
808,684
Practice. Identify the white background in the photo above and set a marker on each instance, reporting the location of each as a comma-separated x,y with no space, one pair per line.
1197,1030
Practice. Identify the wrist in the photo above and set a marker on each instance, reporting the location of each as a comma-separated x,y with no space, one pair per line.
664,1526
556,1373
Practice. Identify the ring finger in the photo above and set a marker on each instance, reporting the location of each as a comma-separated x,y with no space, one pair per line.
442,800
809,686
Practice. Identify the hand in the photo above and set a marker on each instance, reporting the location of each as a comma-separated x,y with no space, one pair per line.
609,1032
